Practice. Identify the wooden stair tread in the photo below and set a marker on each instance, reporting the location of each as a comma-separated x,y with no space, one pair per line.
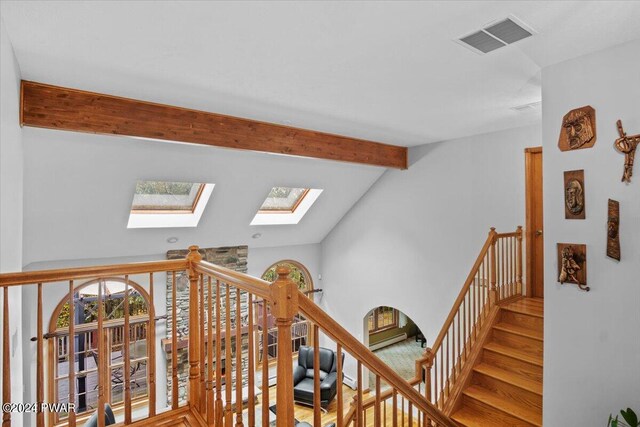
514,353
526,306
519,330
509,377
469,417
507,406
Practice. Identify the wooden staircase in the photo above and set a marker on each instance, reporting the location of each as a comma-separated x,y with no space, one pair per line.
505,386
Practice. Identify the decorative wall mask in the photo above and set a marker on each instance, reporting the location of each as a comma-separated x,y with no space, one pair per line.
627,146
572,264
574,200
613,230
578,129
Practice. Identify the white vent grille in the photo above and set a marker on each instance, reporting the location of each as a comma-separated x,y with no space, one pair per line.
528,108
496,34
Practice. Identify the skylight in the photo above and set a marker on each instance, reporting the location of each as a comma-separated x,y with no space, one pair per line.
285,205
159,204
163,197
283,199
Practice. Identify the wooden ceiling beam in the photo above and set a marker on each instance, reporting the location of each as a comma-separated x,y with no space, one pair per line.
60,108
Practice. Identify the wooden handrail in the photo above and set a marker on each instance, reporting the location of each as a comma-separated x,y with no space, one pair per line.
465,288
360,352
64,274
251,284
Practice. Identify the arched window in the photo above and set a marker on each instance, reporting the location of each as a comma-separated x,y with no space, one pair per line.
300,329
86,357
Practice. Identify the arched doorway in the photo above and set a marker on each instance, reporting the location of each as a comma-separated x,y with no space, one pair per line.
300,329
86,357
393,337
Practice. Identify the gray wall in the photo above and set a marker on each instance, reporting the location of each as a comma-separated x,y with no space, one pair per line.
11,170
411,240
592,340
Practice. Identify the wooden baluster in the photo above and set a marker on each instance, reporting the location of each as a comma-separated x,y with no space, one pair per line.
376,411
284,293
511,267
458,351
72,355
251,366
210,351
40,361
340,397
193,258
447,372
126,354
151,350
402,410
410,415
493,267
465,321
228,413
364,417
103,377
394,413
238,360
384,414
265,366
519,261
174,344
218,408
203,346
359,394
316,376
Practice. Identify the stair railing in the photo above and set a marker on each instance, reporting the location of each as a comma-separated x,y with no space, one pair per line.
220,385
495,276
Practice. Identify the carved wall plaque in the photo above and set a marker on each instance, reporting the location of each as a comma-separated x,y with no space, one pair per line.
627,146
574,195
613,230
572,264
578,129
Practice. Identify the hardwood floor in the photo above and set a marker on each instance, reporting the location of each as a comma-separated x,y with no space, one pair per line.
506,385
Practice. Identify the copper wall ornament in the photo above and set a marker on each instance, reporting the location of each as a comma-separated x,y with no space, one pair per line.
627,146
572,264
578,129
613,230
574,195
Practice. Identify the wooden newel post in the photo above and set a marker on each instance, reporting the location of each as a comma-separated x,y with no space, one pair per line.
493,268
193,258
284,306
519,260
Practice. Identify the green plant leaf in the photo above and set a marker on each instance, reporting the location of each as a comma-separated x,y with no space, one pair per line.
630,417
613,422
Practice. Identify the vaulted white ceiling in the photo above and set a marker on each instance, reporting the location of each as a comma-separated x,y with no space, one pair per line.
388,71
385,71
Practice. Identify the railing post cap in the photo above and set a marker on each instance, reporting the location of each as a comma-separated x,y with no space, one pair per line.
194,253
283,271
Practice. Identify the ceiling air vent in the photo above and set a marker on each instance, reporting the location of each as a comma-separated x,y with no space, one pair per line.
496,34
528,108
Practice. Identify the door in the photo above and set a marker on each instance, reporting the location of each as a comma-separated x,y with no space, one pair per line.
534,223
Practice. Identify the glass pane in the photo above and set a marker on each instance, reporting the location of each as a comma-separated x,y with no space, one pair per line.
161,195
283,199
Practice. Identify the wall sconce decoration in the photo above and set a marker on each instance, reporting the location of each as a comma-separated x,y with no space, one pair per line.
613,230
627,146
578,129
574,195
572,264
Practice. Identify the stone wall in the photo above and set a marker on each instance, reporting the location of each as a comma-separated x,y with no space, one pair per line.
234,258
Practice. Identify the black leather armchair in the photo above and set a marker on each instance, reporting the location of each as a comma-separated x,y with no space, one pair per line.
303,376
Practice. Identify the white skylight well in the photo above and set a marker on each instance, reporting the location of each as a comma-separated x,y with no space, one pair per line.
285,205
164,204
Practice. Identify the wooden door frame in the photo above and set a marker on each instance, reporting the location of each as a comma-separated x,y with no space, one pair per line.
529,217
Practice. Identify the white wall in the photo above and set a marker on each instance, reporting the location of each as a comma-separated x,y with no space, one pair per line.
592,340
11,170
412,239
